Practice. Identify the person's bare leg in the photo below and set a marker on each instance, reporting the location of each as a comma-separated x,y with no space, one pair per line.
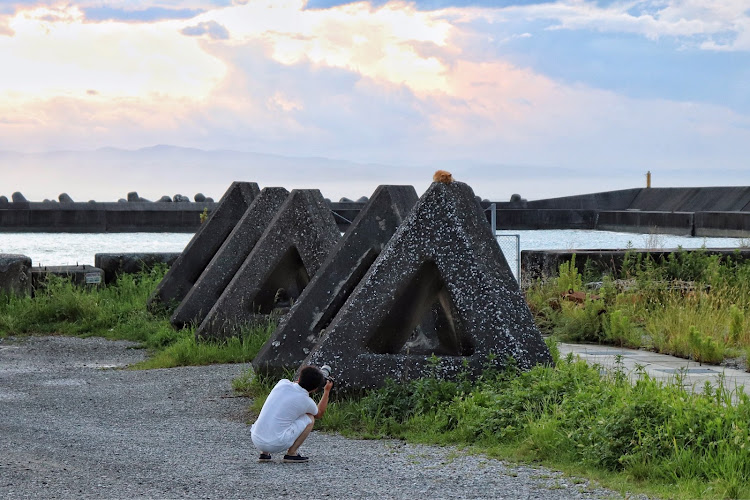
301,439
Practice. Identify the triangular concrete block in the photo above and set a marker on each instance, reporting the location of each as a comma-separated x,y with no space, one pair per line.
228,259
345,266
202,247
441,286
289,253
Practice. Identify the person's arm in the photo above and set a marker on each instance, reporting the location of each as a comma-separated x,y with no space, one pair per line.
323,404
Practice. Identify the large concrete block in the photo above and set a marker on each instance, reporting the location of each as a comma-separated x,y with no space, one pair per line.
342,270
115,264
289,253
441,286
203,246
15,274
228,259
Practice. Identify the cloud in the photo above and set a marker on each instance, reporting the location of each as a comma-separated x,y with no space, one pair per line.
150,14
211,28
391,84
56,53
706,25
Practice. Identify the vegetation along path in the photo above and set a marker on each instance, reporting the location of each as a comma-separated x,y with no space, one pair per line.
75,424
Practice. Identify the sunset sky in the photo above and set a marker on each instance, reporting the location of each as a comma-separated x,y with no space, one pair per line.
598,86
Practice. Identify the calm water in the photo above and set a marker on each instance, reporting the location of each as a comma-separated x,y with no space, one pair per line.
50,249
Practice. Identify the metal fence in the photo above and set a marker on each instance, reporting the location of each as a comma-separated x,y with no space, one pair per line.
510,244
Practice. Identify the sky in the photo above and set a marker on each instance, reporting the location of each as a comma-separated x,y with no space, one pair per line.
559,97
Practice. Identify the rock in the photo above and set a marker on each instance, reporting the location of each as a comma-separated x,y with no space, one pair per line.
15,274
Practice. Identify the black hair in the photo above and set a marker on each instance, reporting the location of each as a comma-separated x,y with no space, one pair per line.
311,378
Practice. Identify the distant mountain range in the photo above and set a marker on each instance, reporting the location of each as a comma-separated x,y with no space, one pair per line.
108,174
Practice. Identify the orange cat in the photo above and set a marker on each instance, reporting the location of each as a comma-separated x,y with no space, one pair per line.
442,176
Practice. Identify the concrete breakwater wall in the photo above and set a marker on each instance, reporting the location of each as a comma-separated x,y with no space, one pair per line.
702,212
102,217
698,211
130,217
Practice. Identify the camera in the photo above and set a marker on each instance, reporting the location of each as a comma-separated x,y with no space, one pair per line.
326,371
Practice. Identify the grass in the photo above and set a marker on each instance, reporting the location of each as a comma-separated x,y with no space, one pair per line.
187,351
691,305
118,311
647,437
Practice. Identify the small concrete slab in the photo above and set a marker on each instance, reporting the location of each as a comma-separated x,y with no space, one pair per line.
662,367
203,246
288,254
15,274
81,275
228,259
115,264
441,287
343,269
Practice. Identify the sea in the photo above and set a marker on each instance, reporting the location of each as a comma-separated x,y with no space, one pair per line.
56,249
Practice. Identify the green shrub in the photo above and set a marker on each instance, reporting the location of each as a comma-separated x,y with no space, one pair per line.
678,444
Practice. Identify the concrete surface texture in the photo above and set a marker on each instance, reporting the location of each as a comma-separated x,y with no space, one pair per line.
75,425
343,269
229,257
15,274
658,366
288,254
115,264
203,246
442,271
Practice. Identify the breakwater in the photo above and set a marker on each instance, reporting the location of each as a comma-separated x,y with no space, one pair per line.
702,212
698,211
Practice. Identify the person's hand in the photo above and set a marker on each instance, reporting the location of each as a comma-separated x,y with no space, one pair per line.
329,385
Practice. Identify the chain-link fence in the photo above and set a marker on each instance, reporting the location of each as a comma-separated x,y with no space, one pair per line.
510,244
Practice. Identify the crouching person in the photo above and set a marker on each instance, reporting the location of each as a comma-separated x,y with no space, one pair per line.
289,414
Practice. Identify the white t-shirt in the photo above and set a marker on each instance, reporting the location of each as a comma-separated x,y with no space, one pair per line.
276,424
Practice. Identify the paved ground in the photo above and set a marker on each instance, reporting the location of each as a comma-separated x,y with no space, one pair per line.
659,366
74,424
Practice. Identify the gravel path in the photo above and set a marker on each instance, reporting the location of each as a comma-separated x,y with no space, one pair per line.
73,424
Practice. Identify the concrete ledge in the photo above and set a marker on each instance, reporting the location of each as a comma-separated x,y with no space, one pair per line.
722,224
636,221
15,274
545,219
115,264
81,275
102,217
